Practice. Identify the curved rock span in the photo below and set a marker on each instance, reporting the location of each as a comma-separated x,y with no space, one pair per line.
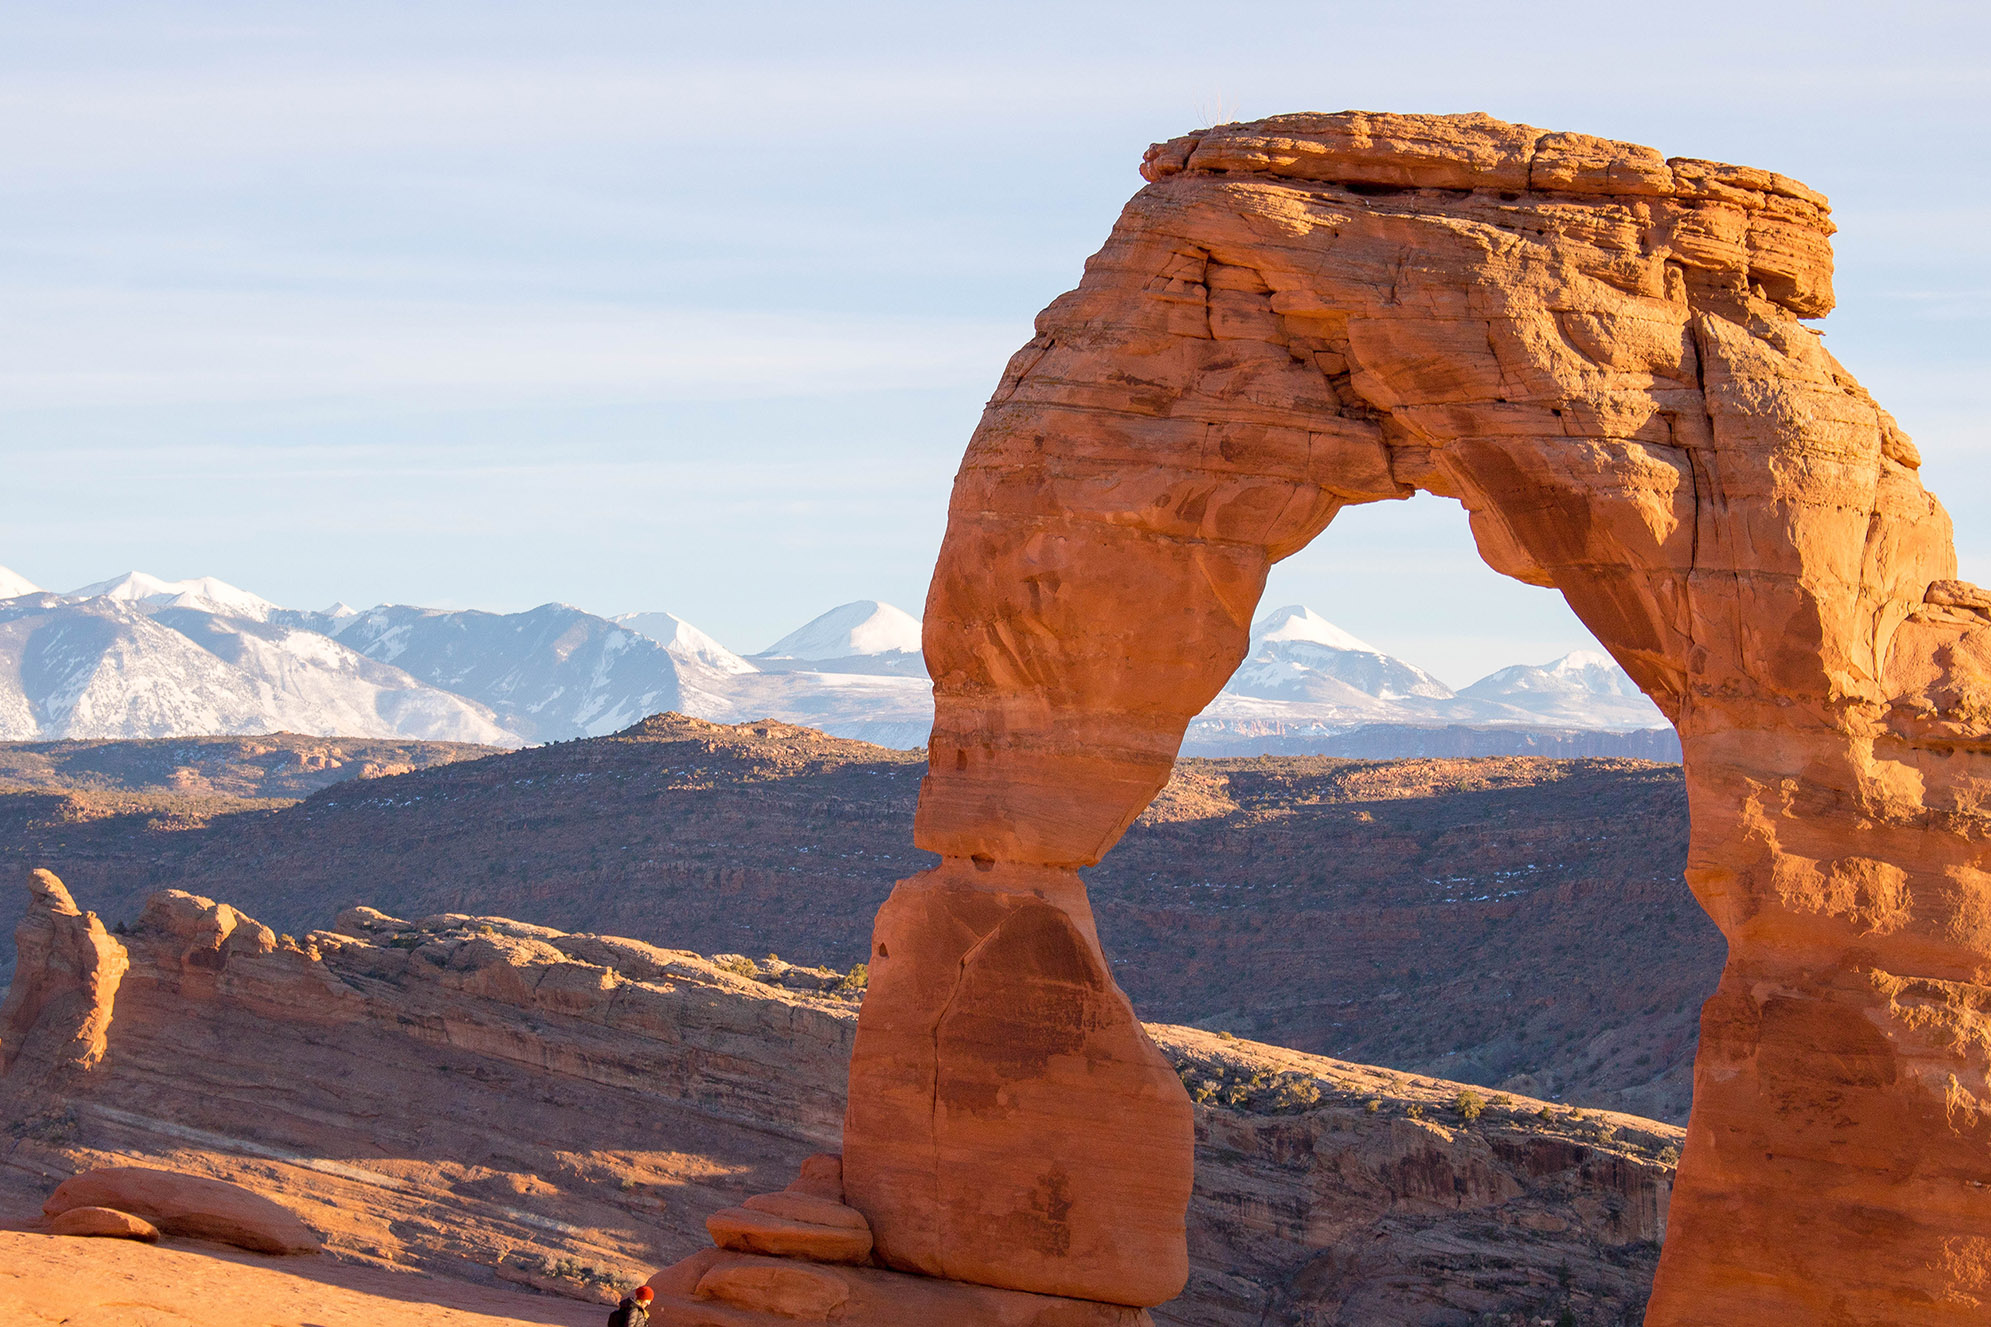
1601,354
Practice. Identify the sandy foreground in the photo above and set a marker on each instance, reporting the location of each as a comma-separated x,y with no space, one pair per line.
49,1280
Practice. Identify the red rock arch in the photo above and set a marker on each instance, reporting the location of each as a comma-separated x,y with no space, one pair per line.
1599,353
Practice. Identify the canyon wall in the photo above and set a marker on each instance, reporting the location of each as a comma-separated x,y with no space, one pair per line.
1600,354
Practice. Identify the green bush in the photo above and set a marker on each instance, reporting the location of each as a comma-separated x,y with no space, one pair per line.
856,979
1469,1105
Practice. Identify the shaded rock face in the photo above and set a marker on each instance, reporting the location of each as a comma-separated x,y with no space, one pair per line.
1598,352
65,982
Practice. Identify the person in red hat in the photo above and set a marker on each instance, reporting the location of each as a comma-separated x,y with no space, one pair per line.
634,1310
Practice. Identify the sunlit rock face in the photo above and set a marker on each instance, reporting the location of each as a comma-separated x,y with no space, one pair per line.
1600,354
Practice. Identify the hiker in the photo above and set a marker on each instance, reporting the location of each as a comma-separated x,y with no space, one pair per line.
634,1310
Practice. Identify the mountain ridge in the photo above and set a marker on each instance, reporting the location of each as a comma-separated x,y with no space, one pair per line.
112,659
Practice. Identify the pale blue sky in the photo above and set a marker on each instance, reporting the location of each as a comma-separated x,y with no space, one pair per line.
655,307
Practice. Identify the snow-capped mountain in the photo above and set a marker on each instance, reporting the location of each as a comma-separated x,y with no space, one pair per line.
143,657
684,641
1584,688
882,696
861,637
205,594
105,667
551,673
13,584
1296,654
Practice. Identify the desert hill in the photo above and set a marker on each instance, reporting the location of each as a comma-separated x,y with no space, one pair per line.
278,766
1508,920
491,1103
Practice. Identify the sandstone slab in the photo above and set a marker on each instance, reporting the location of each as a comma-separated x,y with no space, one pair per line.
192,1206
741,1290
751,1231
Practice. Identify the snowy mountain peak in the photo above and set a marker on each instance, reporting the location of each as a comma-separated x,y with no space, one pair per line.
847,631
205,594
1580,672
1298,622
1582,661
685,641
1299,656
13,584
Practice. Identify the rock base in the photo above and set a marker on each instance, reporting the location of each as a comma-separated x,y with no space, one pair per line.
797,1257
721,1288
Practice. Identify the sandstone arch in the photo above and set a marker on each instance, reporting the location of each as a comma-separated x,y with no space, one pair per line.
1599,353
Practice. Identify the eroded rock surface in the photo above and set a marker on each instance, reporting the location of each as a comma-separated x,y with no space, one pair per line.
58,1008
1600,353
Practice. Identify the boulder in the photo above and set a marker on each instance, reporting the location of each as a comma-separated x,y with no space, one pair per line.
191,1206
106,1222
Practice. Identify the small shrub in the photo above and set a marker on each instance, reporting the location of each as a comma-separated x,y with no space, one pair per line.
856,979
1227,1036
1296,1092
1414,1110
1372,1105
1469,1105
738,964
1669,1155
1502,1100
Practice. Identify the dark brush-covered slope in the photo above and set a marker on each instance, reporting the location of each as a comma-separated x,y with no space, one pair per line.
1484,919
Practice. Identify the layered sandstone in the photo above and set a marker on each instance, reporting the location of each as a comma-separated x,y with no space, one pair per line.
1600,354
431,1095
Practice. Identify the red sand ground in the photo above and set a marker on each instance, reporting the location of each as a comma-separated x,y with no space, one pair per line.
46,1280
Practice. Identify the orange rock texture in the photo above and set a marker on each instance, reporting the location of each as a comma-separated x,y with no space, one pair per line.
1600,353
103,1223
74,967
191,1206
785,1256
